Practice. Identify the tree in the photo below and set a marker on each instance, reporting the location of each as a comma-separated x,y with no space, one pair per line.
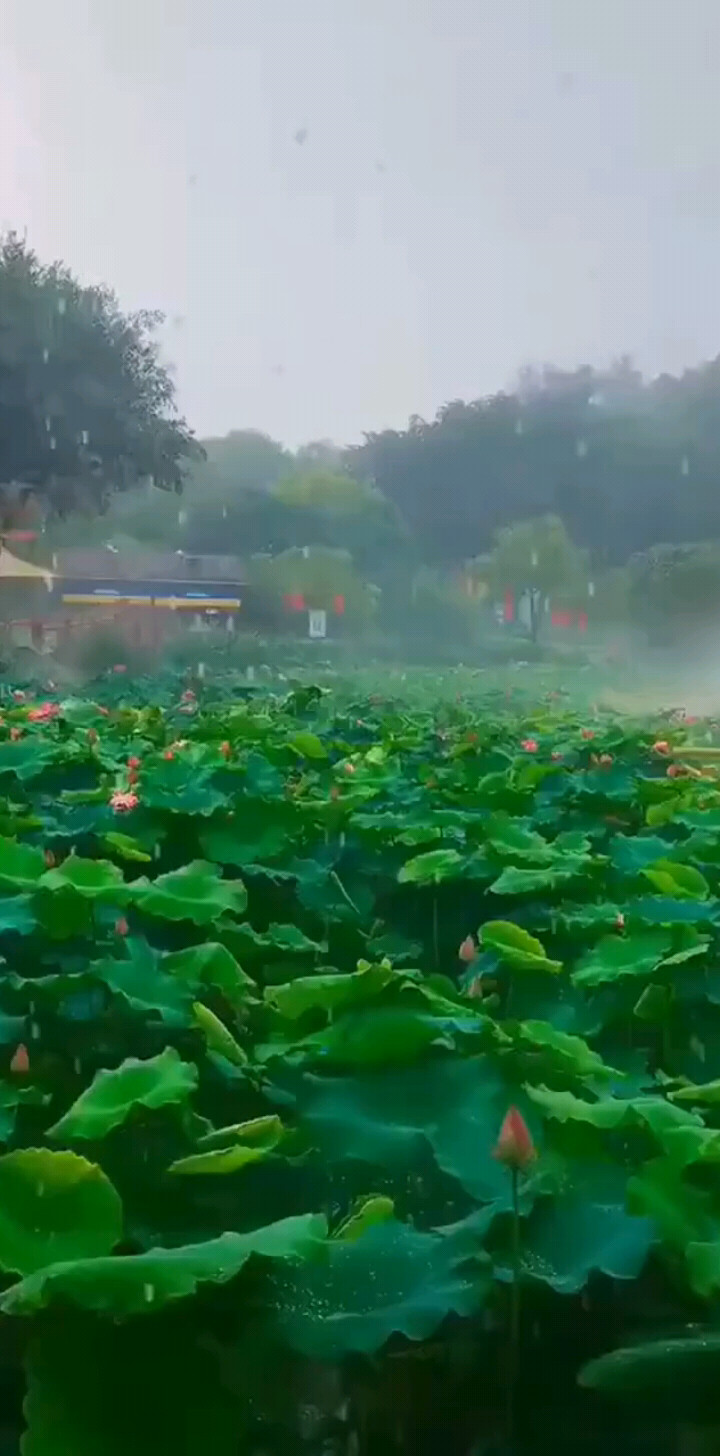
240,460
333,509
675,591
537,556
624,462
86,407
319,454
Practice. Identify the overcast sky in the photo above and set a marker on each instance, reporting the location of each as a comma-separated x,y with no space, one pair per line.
483,184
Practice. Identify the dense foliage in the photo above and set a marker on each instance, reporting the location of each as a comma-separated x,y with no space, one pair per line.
86,407
625,463
275,972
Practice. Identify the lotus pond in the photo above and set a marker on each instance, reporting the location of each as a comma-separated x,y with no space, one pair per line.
360,1079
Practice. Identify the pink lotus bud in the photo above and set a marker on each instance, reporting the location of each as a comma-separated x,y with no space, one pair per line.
662,746
515,1146
20,1060
121,926
529,745
467,951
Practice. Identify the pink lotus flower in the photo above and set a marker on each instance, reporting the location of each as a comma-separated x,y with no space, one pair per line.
467,950
619,921
19,695
121,926
188,696
133,762
529,745
15,733
677,771
120,667
662,746
515,1146
20,1061
92,735
226,749
556,757
349,768
121,801
50,859
44,713
587,734
475,989
169,753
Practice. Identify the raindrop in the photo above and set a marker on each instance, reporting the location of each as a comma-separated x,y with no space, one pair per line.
684,466
77,1066
148,1293
519,427
34,1031
48,423
46,355
61,305
53,443
581,449
85,437
41,1190
301,135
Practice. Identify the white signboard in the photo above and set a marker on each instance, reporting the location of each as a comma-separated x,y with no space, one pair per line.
317,624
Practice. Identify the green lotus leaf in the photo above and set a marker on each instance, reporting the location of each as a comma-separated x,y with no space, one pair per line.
138,1283
54,1206
94,879
516,946
112,1095
392,1280
431,868
195,893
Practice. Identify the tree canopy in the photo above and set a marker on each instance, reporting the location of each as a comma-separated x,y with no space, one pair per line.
86,406
622,461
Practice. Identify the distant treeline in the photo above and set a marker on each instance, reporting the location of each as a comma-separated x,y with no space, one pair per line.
625,463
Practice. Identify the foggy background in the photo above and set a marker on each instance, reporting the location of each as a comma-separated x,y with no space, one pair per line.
354,210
